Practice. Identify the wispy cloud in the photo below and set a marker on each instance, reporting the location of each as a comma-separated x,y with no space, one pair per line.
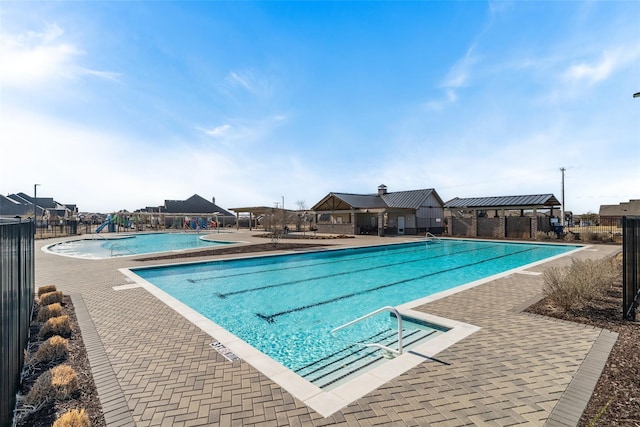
218,131
603,67
457,77
245,131
33,58
248,81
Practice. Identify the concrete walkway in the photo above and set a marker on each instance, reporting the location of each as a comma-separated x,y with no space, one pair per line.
153,367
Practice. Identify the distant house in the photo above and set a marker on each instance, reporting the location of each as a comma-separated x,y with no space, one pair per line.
612,214
176,212
395,213
46,208
194,205
10,208
518,216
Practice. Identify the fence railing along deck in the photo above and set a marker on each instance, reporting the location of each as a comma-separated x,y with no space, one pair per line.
630,266
17,282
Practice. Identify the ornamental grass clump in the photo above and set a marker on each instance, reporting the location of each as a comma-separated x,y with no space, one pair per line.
54,349
46,312
56,326
571,288
46,289
50,298
73,418
58,383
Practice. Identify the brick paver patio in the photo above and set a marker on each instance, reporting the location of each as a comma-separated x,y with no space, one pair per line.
152,367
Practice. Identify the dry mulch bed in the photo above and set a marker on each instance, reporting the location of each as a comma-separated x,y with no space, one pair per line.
85,398
616,398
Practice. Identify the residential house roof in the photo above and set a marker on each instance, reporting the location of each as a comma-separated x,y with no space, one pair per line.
194,204
630,208
11,207
497,202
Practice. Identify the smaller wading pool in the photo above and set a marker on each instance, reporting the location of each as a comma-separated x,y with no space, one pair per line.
101,247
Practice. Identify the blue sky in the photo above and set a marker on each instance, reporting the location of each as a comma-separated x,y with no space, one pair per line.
121,105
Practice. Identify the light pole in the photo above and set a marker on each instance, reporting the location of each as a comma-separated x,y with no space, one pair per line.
35,211
562,210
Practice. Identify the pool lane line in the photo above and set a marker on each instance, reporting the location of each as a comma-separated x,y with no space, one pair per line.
408,250
271,317
344,273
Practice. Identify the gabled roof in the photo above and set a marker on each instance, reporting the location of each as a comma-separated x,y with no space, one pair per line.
409,199
194,204
11,207
412,199
43,202
526,201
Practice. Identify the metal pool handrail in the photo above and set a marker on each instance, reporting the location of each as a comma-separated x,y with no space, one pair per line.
389,350
430,237
117,246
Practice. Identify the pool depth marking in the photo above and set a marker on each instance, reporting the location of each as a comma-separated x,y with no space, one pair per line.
344,273
271,317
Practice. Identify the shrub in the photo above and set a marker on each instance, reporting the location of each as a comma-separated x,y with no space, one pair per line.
48,311
56,326
46,289
570,237
50,298
55,348
73,418
542,235
57,383
572,287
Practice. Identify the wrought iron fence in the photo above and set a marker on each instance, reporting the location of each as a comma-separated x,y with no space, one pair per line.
17,282
630,266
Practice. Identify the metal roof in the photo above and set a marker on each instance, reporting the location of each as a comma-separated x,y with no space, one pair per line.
412,199
408,199
361,201
535,200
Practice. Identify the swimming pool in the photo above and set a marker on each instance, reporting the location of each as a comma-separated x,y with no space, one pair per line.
285,306
131,244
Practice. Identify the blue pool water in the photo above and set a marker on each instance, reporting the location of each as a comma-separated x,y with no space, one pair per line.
133,244
286,306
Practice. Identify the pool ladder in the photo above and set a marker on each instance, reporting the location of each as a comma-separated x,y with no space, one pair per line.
430,237
117,246
389,352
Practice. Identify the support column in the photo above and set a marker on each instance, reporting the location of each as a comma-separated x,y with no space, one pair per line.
474,224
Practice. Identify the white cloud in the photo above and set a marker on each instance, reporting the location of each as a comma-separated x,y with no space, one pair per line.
597,70
218,131
35,58
248,81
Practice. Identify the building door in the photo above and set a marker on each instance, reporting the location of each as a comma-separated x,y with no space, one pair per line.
400,225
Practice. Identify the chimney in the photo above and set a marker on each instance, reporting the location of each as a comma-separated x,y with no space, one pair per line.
382,189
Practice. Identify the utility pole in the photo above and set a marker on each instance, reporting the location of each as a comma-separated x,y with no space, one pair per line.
562,208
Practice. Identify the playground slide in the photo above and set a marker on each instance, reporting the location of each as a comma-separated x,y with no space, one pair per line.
103,225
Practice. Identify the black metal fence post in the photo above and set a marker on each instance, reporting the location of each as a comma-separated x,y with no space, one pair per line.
17,282
630,266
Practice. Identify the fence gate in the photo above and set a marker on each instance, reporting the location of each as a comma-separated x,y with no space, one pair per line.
518,227
630,266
